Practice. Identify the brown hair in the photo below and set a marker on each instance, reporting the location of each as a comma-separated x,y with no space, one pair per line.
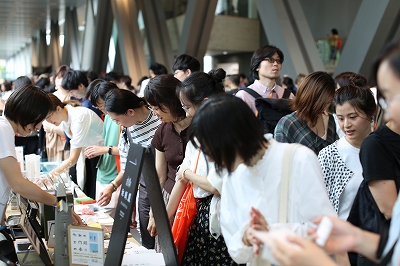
61,70
57,102
314,94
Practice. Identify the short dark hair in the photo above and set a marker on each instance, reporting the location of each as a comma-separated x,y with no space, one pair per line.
315,92
27,105
222,135
73,78
185,62
234,78
111,76
358,95
334,31
289,83
161,91
98,89
259,55
21,81
42,83
158,69
91,75
200,85
120,101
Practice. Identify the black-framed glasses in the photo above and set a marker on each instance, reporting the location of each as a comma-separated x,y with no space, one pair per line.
273,60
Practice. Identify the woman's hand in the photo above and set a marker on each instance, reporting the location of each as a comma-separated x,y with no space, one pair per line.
181,175
151,227
298,251
343,237
105,196
76,219
249,239
94,151
258,221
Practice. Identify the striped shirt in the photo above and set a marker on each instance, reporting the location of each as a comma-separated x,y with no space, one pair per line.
142,134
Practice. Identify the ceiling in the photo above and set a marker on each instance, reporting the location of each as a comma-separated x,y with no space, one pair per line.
21,19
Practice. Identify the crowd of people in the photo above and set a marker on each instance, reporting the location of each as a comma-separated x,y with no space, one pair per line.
259,197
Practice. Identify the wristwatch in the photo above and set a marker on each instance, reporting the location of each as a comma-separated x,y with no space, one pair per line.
114,186
110,150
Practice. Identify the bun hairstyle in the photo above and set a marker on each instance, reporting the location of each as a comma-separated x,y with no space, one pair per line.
358,95
217,74
358,80
199,85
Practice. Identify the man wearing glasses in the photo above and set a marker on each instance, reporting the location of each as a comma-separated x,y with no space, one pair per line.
265,67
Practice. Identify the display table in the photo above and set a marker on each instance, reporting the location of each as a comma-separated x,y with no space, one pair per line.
28,256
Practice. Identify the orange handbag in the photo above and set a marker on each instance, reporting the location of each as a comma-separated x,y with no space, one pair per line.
187,210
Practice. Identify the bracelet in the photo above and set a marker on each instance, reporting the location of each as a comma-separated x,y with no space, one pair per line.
183,173
110,150
114,186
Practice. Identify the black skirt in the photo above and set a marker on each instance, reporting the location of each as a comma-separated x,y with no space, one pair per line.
202,248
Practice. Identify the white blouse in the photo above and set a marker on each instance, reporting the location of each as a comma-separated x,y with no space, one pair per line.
259,186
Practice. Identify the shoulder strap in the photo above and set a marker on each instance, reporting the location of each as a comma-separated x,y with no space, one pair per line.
129,136
286,94
6,260
252,92
285,180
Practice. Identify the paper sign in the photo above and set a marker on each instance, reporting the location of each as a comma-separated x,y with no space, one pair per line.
86,245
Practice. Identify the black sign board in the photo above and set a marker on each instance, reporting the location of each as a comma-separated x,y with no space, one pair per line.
140,160
159,211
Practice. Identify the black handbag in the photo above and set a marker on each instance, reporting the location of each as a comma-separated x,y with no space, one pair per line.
7,249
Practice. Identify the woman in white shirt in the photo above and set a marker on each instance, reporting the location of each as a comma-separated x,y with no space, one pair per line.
231,136
355,109
206,245
25,111
84,128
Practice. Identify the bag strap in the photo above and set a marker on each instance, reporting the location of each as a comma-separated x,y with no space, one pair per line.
197,161
6,235
286,94
6,260
129,136
285,180
388,256
252,92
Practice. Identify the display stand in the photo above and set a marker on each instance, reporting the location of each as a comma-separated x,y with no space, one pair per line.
63,216
140,160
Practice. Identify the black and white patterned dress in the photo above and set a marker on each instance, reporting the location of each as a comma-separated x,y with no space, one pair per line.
202,248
